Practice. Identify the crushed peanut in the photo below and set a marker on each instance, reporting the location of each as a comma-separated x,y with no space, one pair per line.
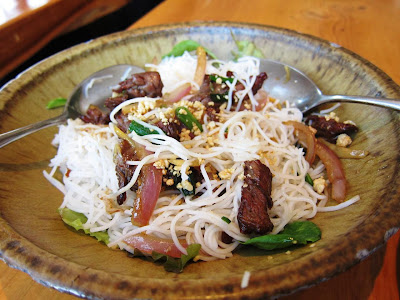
343,140
226,174
319,185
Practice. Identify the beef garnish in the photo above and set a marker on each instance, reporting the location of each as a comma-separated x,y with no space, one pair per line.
122,121
113,102
260,78
226,238
253,215
329,128
141,85
171,128
123,170
259,82
94,115
259,175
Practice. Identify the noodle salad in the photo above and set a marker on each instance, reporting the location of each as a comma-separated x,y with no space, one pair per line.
193,160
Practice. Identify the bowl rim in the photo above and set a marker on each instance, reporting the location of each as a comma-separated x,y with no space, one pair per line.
75,279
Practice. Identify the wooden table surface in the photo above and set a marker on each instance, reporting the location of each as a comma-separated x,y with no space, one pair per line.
370,29
27,26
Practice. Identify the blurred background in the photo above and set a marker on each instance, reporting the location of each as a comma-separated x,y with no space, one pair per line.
31,30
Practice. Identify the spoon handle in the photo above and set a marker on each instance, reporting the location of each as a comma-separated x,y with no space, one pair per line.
16,134
388,103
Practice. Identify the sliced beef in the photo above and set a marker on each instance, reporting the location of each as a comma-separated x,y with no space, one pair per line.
113,102
259,175
226,238
259,82
123,170
253,215
141,84
122,121
94,115
211,110
203,96
260,78
172,129
205,87
329,129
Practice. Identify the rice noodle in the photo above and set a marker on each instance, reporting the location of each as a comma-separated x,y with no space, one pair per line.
91,184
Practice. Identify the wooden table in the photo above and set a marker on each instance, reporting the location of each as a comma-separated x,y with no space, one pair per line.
27,26
369,28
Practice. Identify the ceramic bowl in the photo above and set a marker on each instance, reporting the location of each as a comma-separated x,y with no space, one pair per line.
35,240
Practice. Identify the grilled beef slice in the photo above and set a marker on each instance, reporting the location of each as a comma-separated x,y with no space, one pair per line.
329,129
141,84
123,170
253,215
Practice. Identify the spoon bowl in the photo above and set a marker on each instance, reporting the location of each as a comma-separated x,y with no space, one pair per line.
95,89
287,83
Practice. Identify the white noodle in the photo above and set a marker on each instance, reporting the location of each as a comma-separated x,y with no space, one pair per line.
90,185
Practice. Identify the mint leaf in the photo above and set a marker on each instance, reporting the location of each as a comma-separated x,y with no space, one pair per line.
300,232
176,265
76,220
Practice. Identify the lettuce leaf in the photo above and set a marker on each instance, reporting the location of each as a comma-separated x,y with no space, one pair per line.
176,265
245,48
300,232
76,220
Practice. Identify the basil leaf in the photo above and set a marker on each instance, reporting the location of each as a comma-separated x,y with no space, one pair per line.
219,98
186,117
309,180
303,231
141,129
214,78
176,265
187,45
57,102
76,220
299,232
225,219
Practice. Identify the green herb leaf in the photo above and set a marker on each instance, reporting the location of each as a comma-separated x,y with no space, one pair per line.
226,219
219,97
245,48
309,180
300,232
187,118
141,129
214,78
57,102
177,178
76,220
187,45
176,265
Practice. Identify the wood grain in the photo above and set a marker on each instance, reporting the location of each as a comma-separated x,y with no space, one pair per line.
28,29
369,28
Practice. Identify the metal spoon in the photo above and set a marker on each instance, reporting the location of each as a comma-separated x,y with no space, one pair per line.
303,92
95,89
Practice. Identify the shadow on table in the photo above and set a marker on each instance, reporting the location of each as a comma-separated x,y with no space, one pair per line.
116,21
